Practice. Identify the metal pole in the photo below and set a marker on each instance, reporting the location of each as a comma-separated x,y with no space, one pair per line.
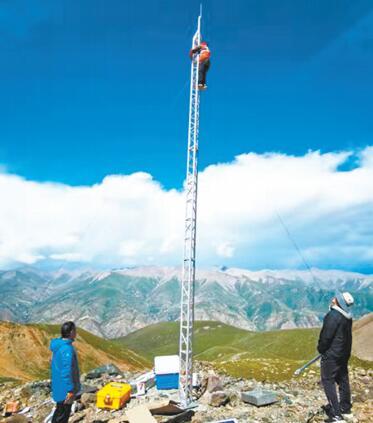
304,367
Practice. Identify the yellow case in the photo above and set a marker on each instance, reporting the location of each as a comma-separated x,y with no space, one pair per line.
113,395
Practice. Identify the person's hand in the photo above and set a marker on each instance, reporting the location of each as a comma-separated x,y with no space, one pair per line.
69,398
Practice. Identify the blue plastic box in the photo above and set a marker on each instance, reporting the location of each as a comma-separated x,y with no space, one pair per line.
168,381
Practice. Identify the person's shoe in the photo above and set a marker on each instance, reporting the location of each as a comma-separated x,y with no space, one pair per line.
327,408
348,416
332,419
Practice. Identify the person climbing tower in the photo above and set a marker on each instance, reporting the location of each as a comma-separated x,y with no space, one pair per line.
202,54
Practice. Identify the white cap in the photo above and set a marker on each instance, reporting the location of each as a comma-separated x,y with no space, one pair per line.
349,299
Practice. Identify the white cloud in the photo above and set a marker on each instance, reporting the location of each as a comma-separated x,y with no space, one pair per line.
225,250
131,219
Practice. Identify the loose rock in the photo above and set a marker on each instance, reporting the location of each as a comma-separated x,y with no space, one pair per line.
299,399
87,399
218,398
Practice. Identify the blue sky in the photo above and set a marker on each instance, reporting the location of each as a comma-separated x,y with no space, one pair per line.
97,88
91,88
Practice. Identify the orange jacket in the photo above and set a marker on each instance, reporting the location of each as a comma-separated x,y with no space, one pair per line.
203,52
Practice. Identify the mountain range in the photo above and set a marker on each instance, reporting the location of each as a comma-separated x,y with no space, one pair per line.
116,302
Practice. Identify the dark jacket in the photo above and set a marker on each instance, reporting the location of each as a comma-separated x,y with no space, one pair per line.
335,339
64,369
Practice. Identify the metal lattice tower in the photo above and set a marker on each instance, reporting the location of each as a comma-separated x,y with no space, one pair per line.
189,263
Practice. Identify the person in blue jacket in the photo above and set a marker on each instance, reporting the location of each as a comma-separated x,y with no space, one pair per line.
64,372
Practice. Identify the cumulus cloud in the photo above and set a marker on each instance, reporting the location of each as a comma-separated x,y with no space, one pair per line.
250,213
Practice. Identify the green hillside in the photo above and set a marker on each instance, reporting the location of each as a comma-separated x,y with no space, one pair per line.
110,347
215,341
271,356
25,354
163,338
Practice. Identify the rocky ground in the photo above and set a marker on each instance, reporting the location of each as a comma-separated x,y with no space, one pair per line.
299,399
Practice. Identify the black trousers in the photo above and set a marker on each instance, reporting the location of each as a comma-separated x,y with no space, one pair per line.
335,373
202,71
62,413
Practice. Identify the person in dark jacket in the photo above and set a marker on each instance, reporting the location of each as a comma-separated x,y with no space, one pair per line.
202,54
65,372
334,345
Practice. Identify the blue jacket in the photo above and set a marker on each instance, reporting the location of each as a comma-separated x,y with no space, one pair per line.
64,369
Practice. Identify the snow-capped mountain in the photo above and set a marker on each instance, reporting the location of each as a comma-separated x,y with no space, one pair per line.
115,302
